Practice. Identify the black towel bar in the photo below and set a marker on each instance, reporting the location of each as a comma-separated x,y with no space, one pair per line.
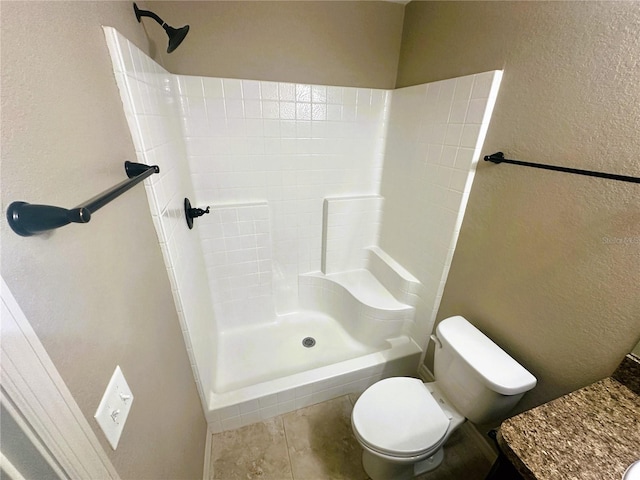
26,219
499,158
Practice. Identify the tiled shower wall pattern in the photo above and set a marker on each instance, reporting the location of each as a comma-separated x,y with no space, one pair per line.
351,224
291,145
153,118
318,142
436,132
236,240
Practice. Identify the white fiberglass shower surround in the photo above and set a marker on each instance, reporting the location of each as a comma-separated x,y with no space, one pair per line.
308,236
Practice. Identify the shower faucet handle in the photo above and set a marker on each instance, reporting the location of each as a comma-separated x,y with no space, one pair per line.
191,213
197,212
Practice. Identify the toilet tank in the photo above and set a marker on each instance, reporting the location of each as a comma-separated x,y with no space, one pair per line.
481,380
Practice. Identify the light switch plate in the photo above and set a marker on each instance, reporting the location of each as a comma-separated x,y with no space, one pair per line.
114,407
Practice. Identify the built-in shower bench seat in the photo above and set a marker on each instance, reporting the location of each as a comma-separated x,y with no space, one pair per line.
379,300
367,289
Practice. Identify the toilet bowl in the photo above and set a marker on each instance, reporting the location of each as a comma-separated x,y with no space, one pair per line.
402,423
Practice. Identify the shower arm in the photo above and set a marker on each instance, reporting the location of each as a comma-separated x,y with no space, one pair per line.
148,13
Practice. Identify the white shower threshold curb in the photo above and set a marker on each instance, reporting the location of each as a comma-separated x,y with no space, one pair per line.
261,401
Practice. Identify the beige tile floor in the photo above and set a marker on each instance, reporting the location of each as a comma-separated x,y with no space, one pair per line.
316,443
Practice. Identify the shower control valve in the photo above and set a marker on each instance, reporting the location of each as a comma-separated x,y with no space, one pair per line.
191,213
197,212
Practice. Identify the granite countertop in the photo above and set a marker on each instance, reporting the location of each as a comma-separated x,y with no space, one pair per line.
592,433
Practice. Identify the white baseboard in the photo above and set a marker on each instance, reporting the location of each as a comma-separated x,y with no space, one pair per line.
207,472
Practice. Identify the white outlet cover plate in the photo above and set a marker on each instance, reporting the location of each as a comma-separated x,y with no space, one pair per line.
114,407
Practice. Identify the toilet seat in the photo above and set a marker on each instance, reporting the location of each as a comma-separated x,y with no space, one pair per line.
399,417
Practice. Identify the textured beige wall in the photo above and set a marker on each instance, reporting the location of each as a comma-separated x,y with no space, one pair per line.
548,264
333,43
96,294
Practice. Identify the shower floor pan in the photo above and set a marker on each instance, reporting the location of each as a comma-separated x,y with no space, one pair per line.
251,355
263,371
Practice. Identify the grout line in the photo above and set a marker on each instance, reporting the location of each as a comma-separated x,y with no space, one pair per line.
286,441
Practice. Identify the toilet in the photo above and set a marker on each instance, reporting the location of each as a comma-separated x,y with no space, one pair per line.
402,423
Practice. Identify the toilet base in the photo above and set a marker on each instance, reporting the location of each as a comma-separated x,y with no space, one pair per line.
430,463
380,469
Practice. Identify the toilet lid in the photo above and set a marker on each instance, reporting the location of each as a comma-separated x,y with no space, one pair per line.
399,416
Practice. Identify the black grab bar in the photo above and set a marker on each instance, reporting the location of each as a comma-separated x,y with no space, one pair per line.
499,158
26,219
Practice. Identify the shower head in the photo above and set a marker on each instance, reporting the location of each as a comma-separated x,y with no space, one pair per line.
176,35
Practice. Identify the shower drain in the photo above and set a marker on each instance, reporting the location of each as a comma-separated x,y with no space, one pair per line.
308,342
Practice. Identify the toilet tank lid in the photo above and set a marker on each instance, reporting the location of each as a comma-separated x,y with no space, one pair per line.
497,368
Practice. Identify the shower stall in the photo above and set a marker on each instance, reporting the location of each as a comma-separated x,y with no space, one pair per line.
333,217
